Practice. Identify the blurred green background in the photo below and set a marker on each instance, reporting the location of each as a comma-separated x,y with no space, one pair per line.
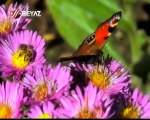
64,24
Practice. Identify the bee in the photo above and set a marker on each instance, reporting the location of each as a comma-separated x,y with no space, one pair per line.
26,51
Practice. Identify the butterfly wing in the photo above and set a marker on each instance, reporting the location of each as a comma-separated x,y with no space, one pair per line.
105,29
84,51
96,41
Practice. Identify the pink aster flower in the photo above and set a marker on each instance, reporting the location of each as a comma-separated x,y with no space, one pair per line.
11,19
20,53
47,83
91,103
135,106
46,110
109,76
11,96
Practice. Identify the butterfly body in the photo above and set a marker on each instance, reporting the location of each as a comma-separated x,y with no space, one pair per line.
93,44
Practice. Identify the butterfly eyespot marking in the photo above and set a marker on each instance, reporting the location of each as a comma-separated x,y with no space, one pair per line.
90,39
115,20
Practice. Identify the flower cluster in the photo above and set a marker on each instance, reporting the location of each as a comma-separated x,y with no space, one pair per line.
32,88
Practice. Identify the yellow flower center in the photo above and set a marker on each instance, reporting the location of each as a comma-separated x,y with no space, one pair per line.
86,113
99,79
5,111
130,112
40,92
22,58
45,115
5,26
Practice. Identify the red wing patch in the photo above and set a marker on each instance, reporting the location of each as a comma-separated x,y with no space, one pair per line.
93,44
105,29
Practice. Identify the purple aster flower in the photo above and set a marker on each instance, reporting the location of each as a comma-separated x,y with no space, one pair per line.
135,105
109,76
47,83
11,19
46,110
11,98
20,53
90,103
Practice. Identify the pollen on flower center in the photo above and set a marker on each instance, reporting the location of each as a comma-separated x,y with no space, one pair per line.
86,113
22,58
99,79
40,92
5,111
5,26
130,112
45,115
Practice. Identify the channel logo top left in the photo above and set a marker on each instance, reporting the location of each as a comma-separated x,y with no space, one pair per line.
16,13
11,19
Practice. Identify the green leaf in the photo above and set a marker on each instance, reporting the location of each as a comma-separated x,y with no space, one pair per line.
76,19
137,40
